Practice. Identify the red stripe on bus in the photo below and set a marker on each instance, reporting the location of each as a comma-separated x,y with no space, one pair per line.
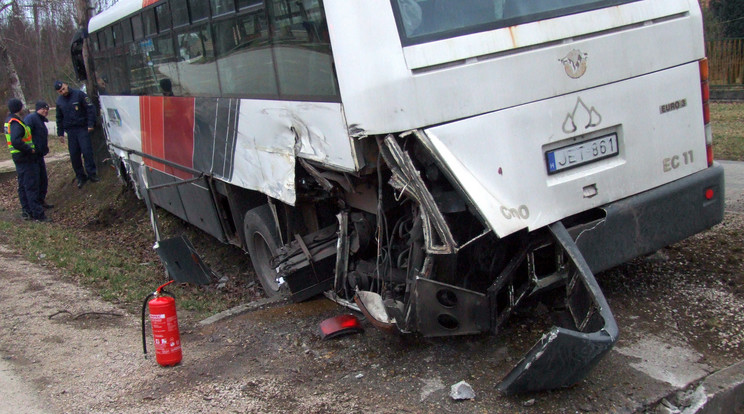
151,124
146,3
178,114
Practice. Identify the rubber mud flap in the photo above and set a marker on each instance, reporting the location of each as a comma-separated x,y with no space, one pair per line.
565,356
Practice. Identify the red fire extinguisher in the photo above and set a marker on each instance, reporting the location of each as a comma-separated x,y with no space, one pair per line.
164,326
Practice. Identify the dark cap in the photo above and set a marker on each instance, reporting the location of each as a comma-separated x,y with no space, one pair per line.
15,105
58,85
41,105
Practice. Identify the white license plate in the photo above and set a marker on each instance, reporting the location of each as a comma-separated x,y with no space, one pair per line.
582,153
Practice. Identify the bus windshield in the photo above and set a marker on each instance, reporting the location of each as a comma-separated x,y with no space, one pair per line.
422,21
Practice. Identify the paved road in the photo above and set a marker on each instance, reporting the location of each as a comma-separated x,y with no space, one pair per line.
734,185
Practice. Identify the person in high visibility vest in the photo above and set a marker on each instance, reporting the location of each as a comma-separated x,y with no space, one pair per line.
23,151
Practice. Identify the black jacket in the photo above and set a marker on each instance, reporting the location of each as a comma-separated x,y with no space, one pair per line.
39,132
74,111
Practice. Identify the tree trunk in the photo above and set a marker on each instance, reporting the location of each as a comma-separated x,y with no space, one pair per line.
14,83
83,9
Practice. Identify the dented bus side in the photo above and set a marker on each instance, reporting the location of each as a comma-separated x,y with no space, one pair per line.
431,163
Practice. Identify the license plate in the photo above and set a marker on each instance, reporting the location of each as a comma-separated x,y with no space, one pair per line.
586,152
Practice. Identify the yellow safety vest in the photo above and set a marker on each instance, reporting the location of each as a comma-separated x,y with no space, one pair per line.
26,137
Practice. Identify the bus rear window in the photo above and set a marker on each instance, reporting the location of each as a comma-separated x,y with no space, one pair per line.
421,21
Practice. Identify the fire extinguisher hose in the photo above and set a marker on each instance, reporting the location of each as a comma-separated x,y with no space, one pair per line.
144,308
158,292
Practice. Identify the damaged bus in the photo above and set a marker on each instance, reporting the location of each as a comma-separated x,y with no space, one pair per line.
430,162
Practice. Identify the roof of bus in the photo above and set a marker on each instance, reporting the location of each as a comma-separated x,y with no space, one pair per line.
121,9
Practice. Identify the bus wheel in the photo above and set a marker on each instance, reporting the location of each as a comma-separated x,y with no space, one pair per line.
262,241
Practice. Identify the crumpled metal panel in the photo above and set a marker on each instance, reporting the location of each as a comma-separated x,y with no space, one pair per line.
565,356
272,134
408,181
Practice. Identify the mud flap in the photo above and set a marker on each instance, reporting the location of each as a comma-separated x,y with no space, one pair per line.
564,356
182,261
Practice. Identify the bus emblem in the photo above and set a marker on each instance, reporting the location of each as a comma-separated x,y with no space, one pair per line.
574,63
582,115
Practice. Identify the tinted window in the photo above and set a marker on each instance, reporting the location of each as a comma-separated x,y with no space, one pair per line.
137,27
222,6
108,38
162,13
199,9
94,40
149,23
118,35
244,57
150,61
302,49
126,28
242,4
196,65
426,20
179,12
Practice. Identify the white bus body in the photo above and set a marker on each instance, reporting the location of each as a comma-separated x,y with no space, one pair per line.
432,161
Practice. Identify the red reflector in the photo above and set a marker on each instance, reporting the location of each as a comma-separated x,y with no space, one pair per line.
340,325
709,194
706,112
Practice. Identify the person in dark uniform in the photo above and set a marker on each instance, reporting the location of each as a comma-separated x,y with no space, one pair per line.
76,115
36,121
21,146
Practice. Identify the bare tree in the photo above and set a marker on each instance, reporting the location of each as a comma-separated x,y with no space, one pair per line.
14,82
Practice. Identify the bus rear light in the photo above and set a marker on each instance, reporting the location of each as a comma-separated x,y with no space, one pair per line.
705,97
709,144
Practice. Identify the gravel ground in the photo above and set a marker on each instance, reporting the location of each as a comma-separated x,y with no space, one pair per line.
679,313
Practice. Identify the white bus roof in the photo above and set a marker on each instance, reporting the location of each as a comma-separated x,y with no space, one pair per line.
119,10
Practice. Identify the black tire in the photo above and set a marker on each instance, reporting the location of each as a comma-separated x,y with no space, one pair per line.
261,241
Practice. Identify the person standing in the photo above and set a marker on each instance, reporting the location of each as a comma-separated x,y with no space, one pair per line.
21,146
36,121
76,115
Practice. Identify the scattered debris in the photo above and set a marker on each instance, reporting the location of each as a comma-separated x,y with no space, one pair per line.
529,403
462,391
339,326
431,385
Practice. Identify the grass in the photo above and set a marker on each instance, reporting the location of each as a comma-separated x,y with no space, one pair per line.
727,120
101,238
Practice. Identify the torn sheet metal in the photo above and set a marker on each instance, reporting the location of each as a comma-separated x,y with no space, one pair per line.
272,134
408,181
565,356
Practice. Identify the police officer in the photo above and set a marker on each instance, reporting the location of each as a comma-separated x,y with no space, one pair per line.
36,121
22,149
76,115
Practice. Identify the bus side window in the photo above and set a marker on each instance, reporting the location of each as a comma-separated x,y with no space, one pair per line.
244,57
163,17
179,13
197,71
302,50
222,7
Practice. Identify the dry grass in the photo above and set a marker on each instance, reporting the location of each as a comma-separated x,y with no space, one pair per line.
728,130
